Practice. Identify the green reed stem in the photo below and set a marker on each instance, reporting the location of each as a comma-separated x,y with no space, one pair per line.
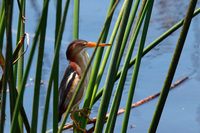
84,75
128,29
148,48
76,36
56,53
2,25
112,71
19,66
96,65
139,16
117,98
36,96
2,8
105,59
22,85
56,73
76,19
172,68
149,6
8,59
3,104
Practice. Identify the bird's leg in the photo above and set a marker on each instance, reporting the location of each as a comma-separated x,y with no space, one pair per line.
82,112
76,124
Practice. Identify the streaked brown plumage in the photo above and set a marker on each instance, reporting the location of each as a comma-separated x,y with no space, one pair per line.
78,58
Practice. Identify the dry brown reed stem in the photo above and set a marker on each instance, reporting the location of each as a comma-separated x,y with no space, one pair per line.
20,10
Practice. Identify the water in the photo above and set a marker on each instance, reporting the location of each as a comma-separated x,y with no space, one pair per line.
182,110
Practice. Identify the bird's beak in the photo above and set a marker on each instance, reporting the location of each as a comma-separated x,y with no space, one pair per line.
93,44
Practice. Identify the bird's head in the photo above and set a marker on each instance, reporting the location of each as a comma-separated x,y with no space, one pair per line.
78,46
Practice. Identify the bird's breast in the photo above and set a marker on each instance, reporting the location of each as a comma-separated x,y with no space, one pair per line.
79,65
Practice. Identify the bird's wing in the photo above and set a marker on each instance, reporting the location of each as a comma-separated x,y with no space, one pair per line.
65,85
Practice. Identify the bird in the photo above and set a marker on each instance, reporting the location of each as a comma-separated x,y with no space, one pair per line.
78,60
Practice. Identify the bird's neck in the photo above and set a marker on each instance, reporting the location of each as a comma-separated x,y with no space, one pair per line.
79,62
81,59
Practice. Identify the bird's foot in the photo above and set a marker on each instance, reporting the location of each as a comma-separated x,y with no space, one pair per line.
80,129
77,125
83,112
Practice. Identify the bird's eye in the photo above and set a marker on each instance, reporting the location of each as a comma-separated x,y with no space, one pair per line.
82,44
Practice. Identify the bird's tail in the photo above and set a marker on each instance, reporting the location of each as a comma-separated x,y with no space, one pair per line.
59,116
60,112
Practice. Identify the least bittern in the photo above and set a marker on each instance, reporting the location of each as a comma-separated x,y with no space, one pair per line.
78,58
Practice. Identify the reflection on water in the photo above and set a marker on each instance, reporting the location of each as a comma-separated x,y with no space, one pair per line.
167,13
36,7
196,48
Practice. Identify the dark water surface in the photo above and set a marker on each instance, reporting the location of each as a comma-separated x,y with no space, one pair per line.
182,109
